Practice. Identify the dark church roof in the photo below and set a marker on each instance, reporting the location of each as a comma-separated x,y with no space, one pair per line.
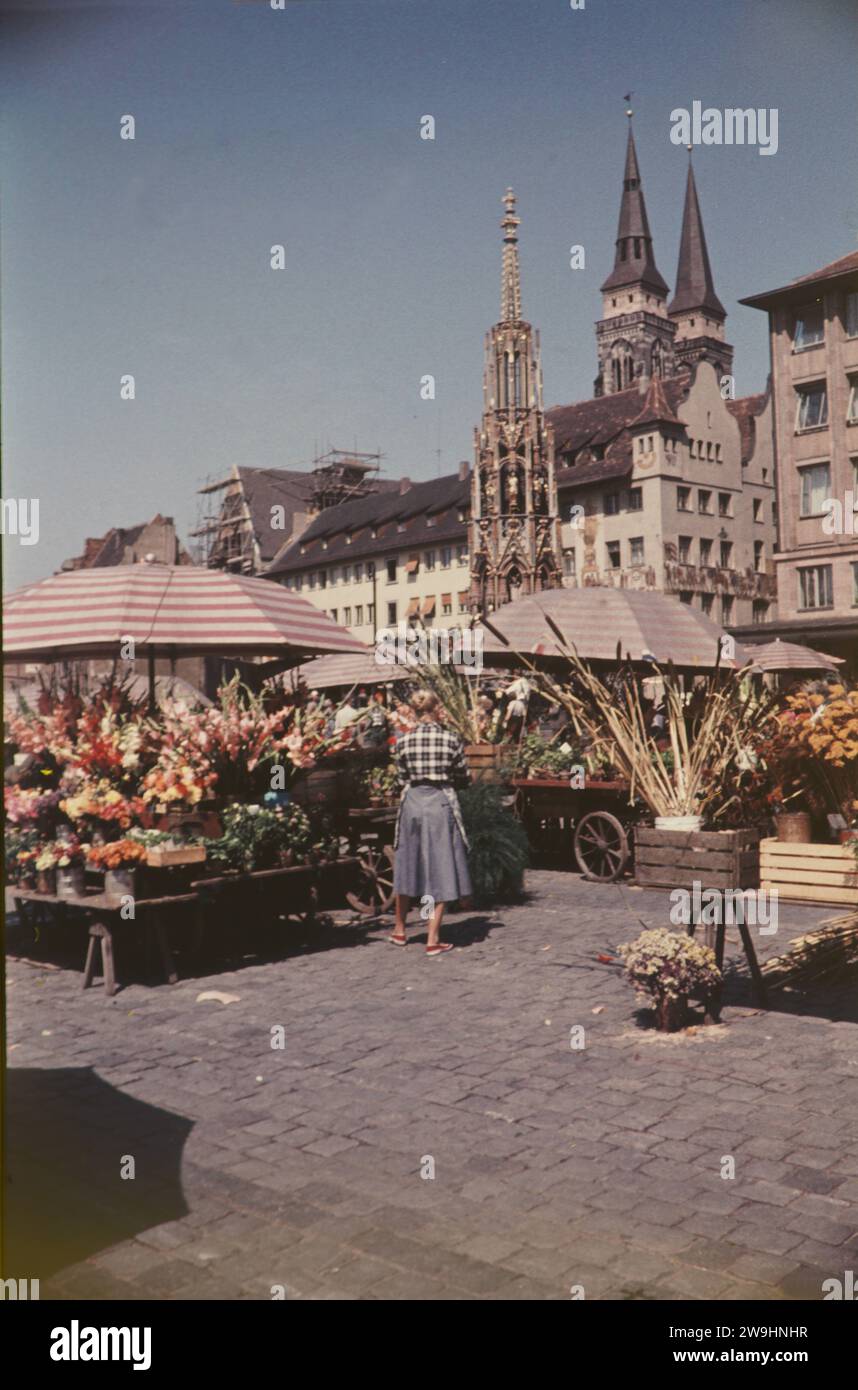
695,288
597,422
633,234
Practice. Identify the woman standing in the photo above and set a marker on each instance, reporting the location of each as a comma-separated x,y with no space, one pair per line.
431,846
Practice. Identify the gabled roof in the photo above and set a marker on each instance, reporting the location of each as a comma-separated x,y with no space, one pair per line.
746,410
846,266
695,288
265,488
345,532
599,421
657,409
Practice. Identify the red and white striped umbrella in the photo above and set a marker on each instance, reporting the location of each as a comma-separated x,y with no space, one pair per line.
166,610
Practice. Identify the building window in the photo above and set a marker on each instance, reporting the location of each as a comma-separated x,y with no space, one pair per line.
636,550
612,503
717,453
852,315
704,502
613,549
358,573
313,579
706,554
758,509
323,579
634,499
684,550
347,617
812,409
706,603
724,504
370,612
726,555
446,557
815,589
359,615
852,408
726,609
334,614
683,499
569,562
462,554
809,327
759,557
446,605
391,615
815,488
760,610
391,573
429,559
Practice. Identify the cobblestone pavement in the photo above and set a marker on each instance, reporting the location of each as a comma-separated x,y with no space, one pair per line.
553,1167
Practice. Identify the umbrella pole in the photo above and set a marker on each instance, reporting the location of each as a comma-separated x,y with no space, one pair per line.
152,702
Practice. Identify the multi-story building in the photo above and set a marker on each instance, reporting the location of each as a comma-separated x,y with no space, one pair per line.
813,333
664,481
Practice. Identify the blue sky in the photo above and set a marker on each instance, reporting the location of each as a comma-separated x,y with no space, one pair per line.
256,127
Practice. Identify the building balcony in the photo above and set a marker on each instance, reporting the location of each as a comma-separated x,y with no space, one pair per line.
705,579
630,577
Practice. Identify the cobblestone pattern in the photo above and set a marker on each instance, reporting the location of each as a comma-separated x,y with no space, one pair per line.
553,1167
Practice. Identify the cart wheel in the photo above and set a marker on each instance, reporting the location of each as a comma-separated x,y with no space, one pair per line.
601,847
375,891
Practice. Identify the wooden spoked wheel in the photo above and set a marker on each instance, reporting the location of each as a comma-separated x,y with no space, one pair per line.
374,894
601,847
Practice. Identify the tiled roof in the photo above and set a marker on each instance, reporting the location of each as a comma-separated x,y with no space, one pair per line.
846,265
265,488
325,539
600,421
633,234
745,410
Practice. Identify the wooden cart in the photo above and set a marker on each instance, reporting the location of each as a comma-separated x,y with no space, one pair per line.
370,831
595,822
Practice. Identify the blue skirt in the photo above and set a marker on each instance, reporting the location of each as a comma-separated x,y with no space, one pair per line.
431,857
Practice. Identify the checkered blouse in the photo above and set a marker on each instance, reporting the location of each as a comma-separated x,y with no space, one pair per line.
431,753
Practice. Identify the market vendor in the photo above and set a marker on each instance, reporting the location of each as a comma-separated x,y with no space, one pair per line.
431,846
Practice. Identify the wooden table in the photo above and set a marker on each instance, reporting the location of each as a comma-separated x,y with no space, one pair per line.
103,910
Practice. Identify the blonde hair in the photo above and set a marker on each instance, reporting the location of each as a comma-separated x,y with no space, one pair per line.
424,702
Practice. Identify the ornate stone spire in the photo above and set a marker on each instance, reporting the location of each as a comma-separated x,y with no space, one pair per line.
510,273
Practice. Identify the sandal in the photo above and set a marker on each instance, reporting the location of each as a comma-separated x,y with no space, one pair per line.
440,949
397,940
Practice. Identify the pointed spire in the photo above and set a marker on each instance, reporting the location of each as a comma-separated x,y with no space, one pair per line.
634,263
694,286
510,274
656,409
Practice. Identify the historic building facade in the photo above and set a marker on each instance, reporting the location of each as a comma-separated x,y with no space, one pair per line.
513,531
664,481
813,334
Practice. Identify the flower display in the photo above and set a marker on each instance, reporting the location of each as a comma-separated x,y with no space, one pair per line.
28,804
668,967
119,854
101,801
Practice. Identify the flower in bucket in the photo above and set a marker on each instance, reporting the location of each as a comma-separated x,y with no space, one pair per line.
47,858
668,967
101,801
119,854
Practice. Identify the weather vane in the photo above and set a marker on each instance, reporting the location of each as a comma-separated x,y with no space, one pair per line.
627,99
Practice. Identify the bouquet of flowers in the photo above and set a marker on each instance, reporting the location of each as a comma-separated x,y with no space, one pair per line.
102,801
119,854
25,805
668,967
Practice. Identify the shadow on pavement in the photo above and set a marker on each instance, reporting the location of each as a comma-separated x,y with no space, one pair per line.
68,1134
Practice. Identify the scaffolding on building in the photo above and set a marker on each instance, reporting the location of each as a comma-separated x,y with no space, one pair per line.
224,537
341,475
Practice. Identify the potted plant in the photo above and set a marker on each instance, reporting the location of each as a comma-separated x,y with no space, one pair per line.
119,861
668,967
498,849
46,869
70,861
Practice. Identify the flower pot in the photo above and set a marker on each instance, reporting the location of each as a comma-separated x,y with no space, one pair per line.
70,881
120,883
679,824
670,1014
26,878
46,881
793,828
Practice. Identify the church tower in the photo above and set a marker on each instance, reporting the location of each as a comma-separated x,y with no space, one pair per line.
695,308
514,530
634,337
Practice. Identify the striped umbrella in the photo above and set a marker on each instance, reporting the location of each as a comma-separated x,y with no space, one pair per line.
166,611
646,625
791,656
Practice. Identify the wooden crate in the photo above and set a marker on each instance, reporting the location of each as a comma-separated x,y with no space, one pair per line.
712,858
159,857
810,873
